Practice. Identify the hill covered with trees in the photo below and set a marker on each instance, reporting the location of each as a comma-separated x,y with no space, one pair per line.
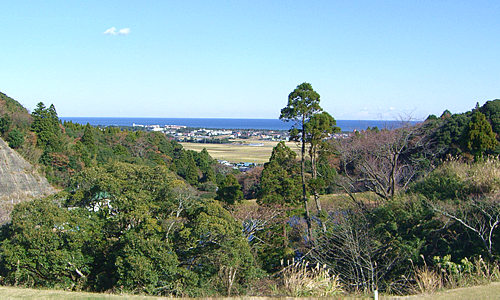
378,210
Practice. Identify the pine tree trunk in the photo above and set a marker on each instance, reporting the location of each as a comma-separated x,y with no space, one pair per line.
303,175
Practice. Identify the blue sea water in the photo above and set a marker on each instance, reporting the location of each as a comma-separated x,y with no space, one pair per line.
270,124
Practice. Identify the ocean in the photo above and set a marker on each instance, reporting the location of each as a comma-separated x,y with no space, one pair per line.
270,124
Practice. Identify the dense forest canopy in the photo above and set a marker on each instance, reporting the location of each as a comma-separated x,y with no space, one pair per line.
138,213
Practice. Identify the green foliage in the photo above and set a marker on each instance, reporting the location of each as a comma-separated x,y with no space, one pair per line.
5,123
467,272
127,227
441,184
491,109
480,136
88,138
455,179
319,127
229,191
15,138
120,150
451,134
206,165
383,241
303,103
213,247
280,179
44,246
11,106
65,149
446,114
327,173
47,127
431,118
186,167
407,225
146,264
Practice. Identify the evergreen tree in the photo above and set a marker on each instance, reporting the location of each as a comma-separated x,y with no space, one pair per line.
303,104
280,179
5,123
88,139
15,138
46,126
491,109
230,190
480,136
319,127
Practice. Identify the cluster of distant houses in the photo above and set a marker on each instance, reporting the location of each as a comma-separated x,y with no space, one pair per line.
187,134
242,166
183,133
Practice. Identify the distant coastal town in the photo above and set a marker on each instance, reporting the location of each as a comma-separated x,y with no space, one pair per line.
221,136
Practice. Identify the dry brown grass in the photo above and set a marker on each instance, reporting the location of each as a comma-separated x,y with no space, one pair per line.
240,150
427,281
480,177
299,279
25,293
489,291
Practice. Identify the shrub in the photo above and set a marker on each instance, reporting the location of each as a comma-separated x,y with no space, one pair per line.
299,279
455,179
15,138
467,272
427,280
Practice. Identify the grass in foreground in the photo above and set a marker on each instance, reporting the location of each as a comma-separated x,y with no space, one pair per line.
490,291
25,293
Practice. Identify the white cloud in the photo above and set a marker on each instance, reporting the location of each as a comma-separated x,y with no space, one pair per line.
114,31
110,31
124,31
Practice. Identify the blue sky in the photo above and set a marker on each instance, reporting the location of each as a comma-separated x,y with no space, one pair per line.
241,59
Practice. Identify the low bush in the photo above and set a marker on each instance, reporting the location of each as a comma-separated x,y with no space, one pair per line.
456,179
300,279
467,272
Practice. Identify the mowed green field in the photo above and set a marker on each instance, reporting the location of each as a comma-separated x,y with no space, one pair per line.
240,150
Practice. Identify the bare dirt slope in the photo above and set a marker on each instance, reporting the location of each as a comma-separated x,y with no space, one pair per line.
19,181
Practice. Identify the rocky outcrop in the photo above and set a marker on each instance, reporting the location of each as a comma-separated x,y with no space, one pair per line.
19,181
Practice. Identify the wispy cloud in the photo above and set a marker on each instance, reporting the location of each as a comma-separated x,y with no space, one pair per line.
114,31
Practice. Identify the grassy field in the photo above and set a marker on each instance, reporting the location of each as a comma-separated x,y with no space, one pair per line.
490,291
254,151
24,293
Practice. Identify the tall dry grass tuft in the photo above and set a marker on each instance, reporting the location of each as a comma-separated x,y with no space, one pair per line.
486,271
427,281
299,279
480,177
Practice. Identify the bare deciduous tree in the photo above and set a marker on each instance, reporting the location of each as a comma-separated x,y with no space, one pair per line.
481,215
385,161
351,249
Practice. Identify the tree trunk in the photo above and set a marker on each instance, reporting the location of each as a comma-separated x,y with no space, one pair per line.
315,176
313,155
303,175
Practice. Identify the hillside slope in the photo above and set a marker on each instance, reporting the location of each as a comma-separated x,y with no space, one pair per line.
19,181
